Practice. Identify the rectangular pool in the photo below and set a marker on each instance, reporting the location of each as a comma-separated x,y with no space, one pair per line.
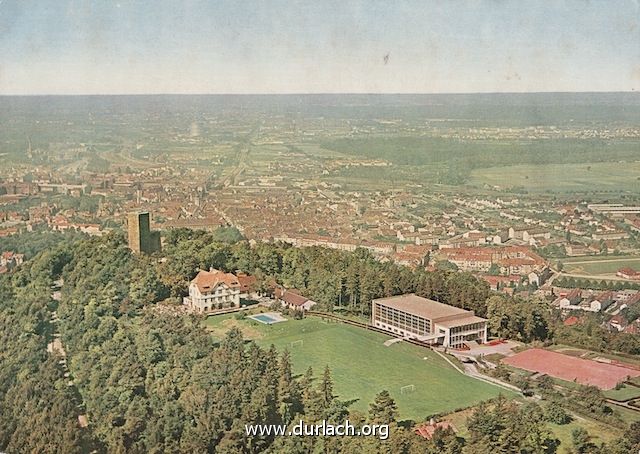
268,318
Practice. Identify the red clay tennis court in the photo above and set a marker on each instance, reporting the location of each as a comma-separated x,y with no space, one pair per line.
569,368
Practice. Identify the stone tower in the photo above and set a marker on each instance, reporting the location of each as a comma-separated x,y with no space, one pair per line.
141,238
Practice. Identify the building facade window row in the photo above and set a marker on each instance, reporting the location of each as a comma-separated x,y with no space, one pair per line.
402,320
471,327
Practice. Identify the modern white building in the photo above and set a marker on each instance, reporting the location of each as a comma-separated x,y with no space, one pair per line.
213,289
420,318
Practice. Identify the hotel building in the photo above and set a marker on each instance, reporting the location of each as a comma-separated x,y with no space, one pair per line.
213,289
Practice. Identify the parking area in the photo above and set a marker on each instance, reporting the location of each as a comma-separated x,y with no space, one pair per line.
504,348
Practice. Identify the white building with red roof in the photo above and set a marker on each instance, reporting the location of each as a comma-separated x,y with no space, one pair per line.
10,260
213,289
628,273
293,299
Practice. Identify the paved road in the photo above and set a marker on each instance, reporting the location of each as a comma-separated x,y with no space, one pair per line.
597,277
581,262
470,370
58,347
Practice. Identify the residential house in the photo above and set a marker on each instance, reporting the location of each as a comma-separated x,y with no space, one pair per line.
529,235
427,430
618,322
571,300
628,273
10,260
602,301
248,284
292,299
213,289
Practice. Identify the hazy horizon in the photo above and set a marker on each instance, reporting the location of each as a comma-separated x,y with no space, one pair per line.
337,93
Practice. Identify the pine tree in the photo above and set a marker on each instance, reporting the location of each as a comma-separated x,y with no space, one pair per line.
288,393
383,410
326,387
311,399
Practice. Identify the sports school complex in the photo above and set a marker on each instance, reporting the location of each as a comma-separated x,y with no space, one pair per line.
421,382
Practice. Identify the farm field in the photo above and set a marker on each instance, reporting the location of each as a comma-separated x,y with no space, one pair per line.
362,366
611,176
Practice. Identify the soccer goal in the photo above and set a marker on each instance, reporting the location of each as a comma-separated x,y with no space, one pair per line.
407,389
298,343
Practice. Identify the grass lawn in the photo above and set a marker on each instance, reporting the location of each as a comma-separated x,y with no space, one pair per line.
624,393
598,431
362,366
627,415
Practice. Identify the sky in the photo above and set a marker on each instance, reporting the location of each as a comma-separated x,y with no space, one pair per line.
318,46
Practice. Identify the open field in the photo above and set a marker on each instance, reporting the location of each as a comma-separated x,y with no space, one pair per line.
599,432
609,176
570,368
362,366
601,265
625,393
627,415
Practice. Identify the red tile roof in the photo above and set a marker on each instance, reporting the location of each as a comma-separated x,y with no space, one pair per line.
291,297
628,272
246,282
573,320
207,281
427,430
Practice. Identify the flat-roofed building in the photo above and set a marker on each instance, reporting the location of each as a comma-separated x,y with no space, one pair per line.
427,320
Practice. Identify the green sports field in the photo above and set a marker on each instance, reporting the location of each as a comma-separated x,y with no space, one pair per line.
362,366
601,265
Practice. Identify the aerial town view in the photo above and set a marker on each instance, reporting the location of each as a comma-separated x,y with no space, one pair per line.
384,243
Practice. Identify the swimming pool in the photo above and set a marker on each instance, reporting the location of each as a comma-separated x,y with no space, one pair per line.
268,318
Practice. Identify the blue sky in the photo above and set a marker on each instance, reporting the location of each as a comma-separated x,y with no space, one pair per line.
272,46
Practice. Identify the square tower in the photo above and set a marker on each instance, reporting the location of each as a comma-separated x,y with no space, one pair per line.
141,238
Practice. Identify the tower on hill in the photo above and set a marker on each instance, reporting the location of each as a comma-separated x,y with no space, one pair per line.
141,238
